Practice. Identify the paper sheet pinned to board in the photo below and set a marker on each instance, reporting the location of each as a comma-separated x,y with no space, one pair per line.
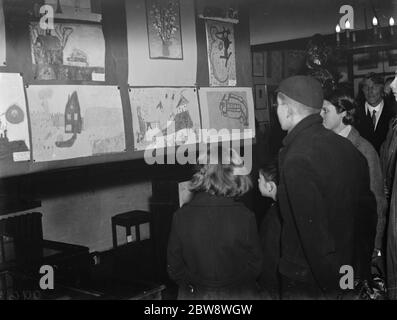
230,111
72,121
152,67
14,132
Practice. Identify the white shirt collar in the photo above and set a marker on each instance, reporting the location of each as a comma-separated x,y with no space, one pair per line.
378,110
345,132
370,108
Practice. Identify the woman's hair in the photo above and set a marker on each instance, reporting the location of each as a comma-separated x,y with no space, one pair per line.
221,172
343,102
270,173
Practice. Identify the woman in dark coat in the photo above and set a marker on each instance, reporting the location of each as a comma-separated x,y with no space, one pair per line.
338,114
214,250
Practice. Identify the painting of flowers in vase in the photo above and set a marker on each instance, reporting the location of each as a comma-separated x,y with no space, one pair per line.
164,29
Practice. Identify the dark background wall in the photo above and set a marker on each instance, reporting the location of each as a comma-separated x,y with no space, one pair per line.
79,196
280,20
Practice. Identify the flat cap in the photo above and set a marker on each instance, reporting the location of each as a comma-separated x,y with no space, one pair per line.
303,89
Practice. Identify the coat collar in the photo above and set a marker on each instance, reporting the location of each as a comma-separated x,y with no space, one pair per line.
353,136
205,199
302,126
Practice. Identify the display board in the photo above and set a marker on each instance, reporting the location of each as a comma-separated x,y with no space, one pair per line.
93,50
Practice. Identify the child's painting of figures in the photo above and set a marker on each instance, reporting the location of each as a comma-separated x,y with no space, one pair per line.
75,121
228,109
164,29
14,132
164,117
87,10
221,53
68,52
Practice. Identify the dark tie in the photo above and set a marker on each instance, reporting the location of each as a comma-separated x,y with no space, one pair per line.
373,117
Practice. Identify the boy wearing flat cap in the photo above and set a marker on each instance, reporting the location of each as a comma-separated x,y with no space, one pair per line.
327,208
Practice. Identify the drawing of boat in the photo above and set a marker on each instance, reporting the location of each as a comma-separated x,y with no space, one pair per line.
67,143
234,107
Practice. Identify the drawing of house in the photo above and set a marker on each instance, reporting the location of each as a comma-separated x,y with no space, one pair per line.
73,120
182,118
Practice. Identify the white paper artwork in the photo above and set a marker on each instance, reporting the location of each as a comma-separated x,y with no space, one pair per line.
75,121
14,131
228,109
164,117
74,9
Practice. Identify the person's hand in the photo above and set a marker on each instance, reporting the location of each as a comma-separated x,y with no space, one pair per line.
267,188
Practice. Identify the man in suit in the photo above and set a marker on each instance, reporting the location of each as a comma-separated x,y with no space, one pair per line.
374,114
328,210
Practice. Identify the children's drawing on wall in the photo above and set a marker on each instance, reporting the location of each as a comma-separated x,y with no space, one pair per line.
223,108
221,53
164,29
14,132
75,121
164,115
69,52
2,36
76,9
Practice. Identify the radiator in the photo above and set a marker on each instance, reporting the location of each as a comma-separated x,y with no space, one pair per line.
20,237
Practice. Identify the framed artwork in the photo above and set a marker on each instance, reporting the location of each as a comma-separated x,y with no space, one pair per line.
357,85
69,52
274,66
392,58
294,61
221,53
364,63
72,121
272,97
164,29
258,64
261,98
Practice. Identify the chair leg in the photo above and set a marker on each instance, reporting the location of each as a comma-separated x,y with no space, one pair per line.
114,235
138,232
